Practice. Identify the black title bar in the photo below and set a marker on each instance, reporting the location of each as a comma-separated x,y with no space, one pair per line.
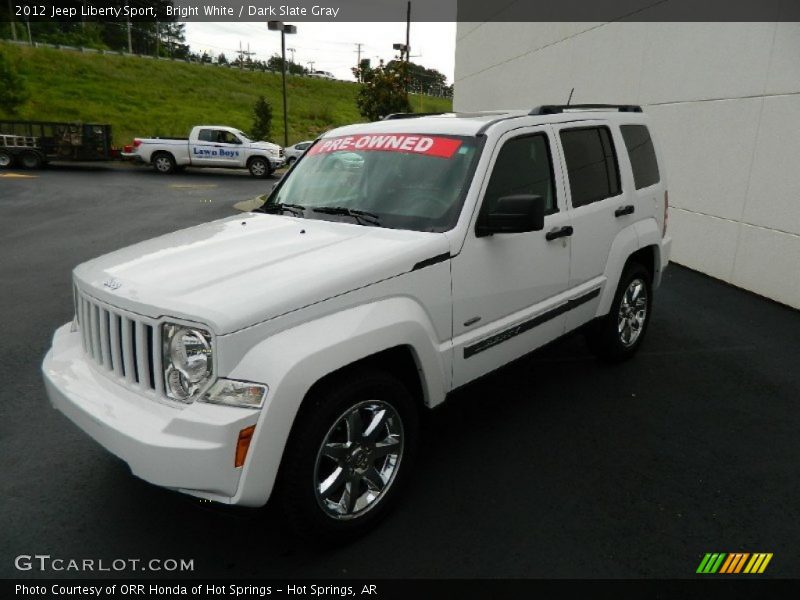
395,10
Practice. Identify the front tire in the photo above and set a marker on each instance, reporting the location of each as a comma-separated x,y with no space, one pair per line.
164,163
349,456
259,167
618,335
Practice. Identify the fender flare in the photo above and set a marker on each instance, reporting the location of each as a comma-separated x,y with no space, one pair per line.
630,239
292,361
625,243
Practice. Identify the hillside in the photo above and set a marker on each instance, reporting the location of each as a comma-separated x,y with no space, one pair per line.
147,97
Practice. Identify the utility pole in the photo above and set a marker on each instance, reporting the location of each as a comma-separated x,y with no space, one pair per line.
408,32
292,50
284,29
13,22
244,54
130,41
30,37
311,68
358,62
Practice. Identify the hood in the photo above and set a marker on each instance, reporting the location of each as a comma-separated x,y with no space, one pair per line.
242,270
266,146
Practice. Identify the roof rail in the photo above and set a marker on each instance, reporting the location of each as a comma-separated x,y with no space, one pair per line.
552,109
394,116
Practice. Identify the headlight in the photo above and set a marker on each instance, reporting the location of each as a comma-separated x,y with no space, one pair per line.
188,360
235,393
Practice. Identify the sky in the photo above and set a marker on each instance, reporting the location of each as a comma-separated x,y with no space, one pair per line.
331,46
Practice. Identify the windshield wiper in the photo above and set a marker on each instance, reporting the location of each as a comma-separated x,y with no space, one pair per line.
362,216
297,210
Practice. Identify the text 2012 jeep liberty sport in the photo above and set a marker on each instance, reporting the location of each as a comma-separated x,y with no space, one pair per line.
292,349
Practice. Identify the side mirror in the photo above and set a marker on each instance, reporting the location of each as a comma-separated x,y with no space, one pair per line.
512,214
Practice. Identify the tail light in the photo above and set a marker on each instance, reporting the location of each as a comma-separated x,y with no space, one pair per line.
666,213
137,143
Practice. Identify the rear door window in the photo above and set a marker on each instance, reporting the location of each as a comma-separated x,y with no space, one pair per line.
642,155
591,164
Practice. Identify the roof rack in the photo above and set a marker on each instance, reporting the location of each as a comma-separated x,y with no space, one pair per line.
394,116
553,109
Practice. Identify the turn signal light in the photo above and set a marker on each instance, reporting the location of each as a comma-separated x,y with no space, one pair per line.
243,445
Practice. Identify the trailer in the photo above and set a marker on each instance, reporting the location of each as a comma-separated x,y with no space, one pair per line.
32,144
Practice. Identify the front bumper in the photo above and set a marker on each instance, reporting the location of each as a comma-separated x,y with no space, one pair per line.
190,448
276,163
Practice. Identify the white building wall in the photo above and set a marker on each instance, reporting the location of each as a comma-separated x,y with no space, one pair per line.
725,101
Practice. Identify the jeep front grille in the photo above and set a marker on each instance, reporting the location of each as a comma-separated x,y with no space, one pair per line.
124,346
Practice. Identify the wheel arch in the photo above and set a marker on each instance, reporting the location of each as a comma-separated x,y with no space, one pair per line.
250,159
390,334
637,242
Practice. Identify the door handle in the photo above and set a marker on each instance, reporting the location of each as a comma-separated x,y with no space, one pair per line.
558,232
624,210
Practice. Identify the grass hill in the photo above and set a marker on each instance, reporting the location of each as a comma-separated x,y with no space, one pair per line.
147,97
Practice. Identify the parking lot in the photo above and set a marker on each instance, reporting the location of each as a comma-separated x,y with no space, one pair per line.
557,466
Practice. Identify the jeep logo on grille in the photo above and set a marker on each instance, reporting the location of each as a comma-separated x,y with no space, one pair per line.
112,283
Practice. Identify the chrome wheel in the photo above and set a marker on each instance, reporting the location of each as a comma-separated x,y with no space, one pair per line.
163,164
632,312
5,160
258,168
358,459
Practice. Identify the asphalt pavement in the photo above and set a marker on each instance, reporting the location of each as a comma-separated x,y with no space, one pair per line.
556,466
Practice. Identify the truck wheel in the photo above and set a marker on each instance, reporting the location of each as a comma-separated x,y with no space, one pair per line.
259,167
164,163
6,159
618,335
31,160
348,457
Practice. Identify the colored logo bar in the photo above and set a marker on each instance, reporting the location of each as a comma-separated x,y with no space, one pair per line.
734,563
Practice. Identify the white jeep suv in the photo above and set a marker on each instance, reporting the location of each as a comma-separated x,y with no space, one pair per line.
292,350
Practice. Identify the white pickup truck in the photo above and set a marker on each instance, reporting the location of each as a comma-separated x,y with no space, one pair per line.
292,350
208,146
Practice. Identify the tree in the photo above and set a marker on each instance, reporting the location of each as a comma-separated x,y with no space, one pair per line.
275,63
383,90
262,119
425,81
221,60
12,87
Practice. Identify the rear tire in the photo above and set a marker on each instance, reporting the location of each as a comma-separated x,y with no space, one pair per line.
6,159
349,456
259,167
31,160
163,163
618,335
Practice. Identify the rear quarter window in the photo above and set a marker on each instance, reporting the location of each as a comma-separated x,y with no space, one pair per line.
642,155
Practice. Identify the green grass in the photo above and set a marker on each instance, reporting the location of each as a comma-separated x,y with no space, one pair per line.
146,97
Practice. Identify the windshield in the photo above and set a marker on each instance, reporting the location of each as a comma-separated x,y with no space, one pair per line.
243,136
404,181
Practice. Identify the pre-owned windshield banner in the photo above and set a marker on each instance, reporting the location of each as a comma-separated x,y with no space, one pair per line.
442,147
